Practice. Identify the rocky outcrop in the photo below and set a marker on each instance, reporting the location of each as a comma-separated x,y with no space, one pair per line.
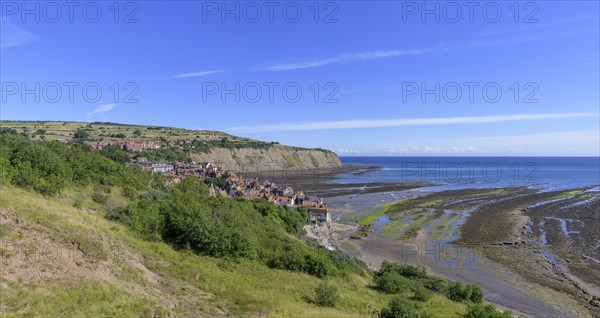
277,157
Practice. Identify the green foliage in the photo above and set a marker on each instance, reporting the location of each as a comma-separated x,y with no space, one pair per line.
391,282
224,142
188,217
474,292
115,153
436,284
406,270
49,167
422,294
326,295
185,215
165,154
485,311
458,292
8,131
81,135
394,278
34,166
219,182
99,198
399,308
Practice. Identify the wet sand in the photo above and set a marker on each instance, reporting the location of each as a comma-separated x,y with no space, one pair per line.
483,236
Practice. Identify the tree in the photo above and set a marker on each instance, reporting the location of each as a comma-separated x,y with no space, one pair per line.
137,132
81,135
326,295
115,153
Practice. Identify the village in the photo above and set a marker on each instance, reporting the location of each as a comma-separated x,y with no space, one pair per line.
225,183
234,185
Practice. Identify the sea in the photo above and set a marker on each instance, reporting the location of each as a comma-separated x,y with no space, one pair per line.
551,173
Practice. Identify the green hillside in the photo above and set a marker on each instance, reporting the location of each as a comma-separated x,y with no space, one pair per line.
58,130
84,236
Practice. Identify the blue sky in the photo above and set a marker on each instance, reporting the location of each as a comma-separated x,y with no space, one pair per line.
370,60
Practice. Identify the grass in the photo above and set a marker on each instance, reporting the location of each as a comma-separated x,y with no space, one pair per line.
369,215
199,285
56,130
75,298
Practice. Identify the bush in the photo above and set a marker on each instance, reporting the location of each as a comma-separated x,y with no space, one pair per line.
399,308
394,278
325,295
391,283
485,311
99,198
405,270
475,294
422,294
436,284
458,292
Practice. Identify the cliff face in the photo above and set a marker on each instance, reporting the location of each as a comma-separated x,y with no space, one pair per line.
277,157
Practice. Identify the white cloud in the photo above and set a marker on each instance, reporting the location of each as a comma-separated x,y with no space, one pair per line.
12,35
196,74
476,43
102,109
342,58
400,122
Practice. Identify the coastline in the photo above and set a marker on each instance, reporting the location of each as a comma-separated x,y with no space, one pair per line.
504,285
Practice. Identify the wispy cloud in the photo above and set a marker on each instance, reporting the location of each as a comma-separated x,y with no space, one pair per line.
475,43
196,74
400,122
370,55
12,35
102,109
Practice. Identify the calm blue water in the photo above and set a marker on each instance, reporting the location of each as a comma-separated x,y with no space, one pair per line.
478,172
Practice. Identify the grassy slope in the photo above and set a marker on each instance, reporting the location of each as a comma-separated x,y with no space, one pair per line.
111,272
59,130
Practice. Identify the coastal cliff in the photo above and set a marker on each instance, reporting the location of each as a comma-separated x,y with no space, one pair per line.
277,157
173,144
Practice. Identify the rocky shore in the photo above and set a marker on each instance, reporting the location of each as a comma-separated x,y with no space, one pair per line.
533,252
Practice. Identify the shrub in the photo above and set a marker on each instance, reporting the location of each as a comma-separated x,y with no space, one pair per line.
405,270
485,311
456,291
422,294
391,283
474,293
325,295
99,198
399,308
436,284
